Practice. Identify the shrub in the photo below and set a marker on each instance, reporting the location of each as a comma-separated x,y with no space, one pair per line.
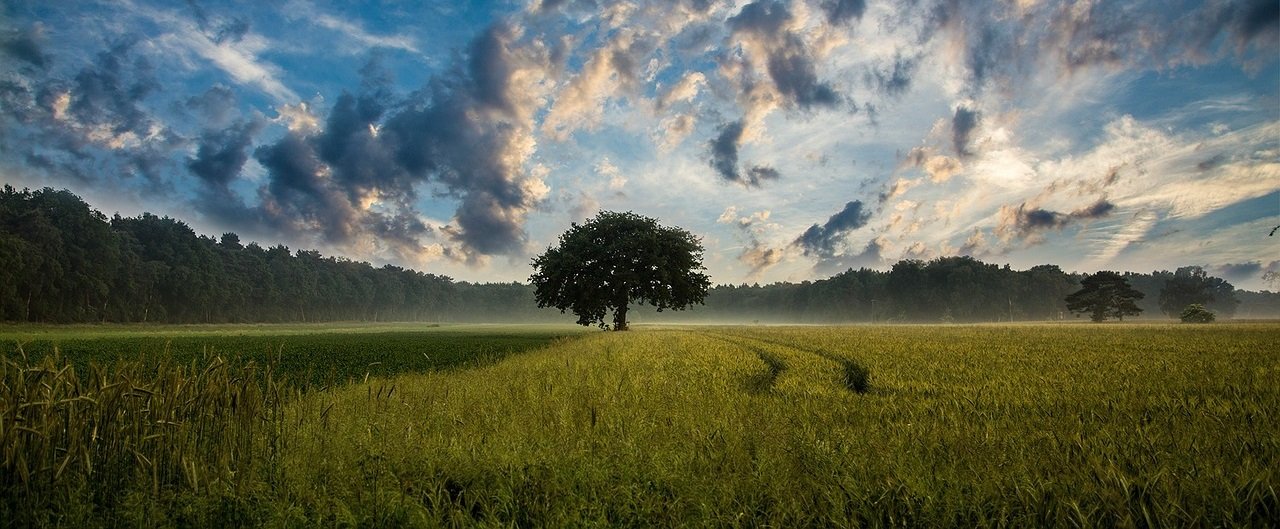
1196,313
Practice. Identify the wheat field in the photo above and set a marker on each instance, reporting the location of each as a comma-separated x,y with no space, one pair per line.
865,426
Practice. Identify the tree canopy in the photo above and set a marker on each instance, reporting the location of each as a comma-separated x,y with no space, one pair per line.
616,259
1105,295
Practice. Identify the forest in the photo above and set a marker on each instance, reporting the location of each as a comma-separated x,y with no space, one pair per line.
61,261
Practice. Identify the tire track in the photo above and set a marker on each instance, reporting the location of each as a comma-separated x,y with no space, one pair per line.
855,377
761,382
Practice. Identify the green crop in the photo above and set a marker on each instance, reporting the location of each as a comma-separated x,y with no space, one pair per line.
866,426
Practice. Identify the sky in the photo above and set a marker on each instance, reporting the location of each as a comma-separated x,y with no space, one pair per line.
797,139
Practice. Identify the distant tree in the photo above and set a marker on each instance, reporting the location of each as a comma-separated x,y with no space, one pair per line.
615,259
1189,286
1272,279
1196,313
1105,295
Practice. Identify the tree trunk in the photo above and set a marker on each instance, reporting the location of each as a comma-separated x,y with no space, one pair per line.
620,318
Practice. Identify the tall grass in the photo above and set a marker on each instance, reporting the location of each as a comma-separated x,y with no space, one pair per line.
79,445
956,426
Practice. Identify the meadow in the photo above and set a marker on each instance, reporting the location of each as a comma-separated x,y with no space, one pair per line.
1073,425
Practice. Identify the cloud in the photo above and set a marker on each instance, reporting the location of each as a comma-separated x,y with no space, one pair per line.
469,132
724,158
871,255
298,198
962,126
975,244
757,174
684,90
215,108
724,151
26,45
760,258
108,93
298,118
221,154
1212,162
607,170
1003,43
91,127
768,31
939,168
1241,271
844,11
231,49
757,255
364,38
821,240
232,31
611,69
1025,221
894,78
671,132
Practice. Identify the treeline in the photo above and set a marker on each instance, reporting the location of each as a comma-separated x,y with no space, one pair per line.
62,262
964,289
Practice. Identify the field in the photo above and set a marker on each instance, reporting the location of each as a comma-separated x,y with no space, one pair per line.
1074,425
303,354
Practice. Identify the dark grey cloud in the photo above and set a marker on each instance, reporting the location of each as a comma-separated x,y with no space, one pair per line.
1099,209
104,96
221,154
1212,162
724,158
821,240
894,78
844,11
767,17
962,125
360,161
1027,220
92,127
790,63
793,72
26,45
1257,18
463,131
297,199
759,173
724,151
1239,271
489,68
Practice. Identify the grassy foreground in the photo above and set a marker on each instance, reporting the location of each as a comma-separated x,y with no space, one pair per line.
1065,425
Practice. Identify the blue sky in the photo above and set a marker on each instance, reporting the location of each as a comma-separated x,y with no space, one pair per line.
798,139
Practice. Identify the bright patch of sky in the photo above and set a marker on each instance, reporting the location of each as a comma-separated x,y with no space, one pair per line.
798,139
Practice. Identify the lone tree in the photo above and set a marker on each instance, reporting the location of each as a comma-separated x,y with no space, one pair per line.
616,259
1105,295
